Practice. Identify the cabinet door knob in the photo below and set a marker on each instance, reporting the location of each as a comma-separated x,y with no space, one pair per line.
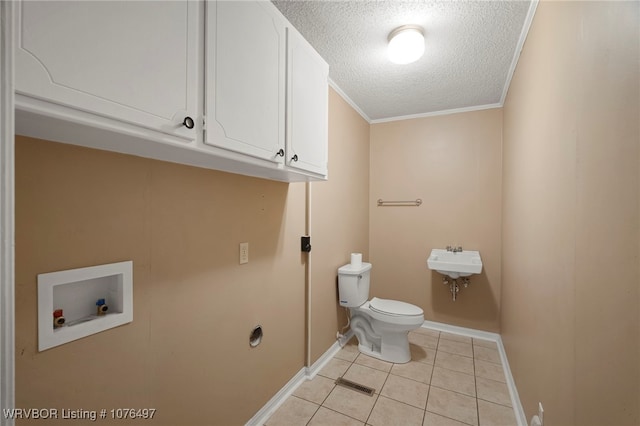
188,122
295,157
280,153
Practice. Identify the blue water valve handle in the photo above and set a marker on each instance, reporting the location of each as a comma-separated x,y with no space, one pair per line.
102,307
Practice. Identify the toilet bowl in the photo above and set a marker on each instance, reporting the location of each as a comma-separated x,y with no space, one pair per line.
380,325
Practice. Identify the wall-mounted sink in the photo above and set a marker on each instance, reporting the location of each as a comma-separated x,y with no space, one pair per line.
455,264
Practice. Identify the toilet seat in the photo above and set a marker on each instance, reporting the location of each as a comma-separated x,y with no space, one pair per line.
394,307
403,314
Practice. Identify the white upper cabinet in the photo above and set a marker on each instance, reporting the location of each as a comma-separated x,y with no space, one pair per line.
132,61
124,75
267,92
307,106
245,79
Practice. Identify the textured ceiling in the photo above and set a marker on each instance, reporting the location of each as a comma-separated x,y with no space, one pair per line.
470,47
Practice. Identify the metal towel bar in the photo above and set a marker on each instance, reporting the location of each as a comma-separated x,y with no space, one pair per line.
416,203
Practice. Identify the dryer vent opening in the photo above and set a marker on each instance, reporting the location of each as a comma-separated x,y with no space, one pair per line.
256,336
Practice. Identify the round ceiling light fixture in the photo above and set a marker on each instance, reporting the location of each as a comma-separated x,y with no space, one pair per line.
406,44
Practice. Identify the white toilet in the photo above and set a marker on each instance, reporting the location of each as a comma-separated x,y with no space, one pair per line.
381,325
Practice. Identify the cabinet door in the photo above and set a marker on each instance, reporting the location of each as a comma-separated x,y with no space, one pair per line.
245,78
134,61
307,133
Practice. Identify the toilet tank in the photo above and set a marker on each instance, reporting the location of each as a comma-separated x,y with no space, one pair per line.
353,284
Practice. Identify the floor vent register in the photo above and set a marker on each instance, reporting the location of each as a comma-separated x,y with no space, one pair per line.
355,386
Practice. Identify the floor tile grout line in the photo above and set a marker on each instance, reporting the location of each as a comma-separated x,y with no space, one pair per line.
401,402
364,365
376,395
456,341
454,391
325,398
493,380
373,406
346,415
455,371
430,385
442,415
475,381
491,362
437,350
406,403
313,415
459,354
496,403
328,393
446,417
417,381
433,367
397,400
451,369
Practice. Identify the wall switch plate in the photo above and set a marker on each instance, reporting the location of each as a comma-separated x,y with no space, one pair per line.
244,253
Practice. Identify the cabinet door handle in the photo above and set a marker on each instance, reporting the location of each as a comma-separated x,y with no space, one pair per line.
188,122
280,153
295,157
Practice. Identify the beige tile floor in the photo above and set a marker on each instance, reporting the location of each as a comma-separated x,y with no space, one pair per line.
451,380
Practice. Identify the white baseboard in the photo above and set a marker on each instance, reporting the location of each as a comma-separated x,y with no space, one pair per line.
513,391
328,355
308,373
305,373
494,337
462,331
278,399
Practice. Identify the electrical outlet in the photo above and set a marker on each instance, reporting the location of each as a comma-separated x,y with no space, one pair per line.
244,253
541,413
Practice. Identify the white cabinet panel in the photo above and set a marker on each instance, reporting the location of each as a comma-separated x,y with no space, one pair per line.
245,78
133,61
307,107
123,75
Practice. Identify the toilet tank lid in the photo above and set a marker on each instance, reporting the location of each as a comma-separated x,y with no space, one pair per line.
351,270
394,307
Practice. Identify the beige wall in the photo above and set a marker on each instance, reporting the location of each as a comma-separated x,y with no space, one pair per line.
453,163
570,312
546,211
186,352
339,219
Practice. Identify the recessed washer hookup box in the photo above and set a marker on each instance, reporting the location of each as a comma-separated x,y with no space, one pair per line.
80,302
